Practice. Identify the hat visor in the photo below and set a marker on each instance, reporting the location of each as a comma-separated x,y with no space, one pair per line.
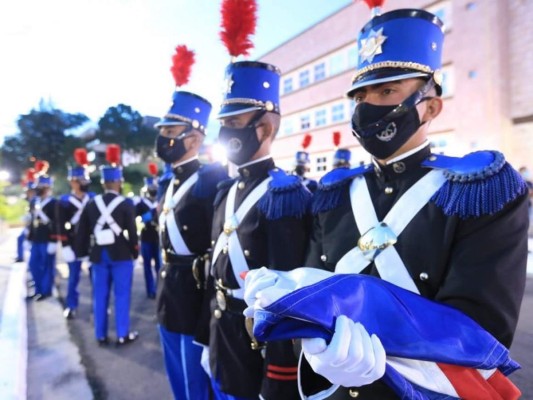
168,122
235,109
382,76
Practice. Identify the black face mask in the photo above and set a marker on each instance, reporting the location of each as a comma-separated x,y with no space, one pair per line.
382,130
171,150
241,143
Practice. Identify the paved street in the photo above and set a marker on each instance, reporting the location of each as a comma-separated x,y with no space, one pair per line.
64,361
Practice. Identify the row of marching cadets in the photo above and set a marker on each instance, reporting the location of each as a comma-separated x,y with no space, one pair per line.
412,281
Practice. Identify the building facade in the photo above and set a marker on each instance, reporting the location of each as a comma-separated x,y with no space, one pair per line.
487,88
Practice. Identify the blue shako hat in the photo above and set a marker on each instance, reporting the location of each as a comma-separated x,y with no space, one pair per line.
150,181
399,44
41,173
250,86
79,172
302,158
113,171
342,157
187,109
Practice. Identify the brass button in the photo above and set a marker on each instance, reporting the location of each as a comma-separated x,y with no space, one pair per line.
179,170
225,250
212,242
163,274
176,182
353,393
388,190
217,313
424,276
241,185
245,172
432,158
185,227
324,258
246,253
398,167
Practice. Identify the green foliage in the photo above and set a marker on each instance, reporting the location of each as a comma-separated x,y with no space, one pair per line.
42,136
12,208
124,126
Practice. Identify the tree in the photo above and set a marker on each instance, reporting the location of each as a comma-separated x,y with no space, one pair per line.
42,136
123,125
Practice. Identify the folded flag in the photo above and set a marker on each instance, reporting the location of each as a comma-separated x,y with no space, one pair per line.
434,351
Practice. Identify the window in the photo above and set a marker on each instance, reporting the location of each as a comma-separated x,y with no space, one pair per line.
287,85
320,71
320,117
448,81
321,164
337,63
305,122
304,78
337,112
353,57
288,127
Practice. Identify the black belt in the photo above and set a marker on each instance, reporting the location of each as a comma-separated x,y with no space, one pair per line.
171,258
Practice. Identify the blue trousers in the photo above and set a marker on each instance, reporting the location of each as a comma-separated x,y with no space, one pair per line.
42,266
187,378
150,251
120,274
219,395
20,245
74,269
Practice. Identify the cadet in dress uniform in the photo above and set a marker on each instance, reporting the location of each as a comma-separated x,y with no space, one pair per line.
450,229
43,234
70,207
29,195
260,220
302,164
107,233
341,157
146,209
185,228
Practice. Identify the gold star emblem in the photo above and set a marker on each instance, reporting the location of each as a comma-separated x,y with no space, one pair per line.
371,46
228,83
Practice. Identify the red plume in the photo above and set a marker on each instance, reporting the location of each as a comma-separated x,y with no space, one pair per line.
41,167
80,156
336,138
112,154
182,62
152,168
238,23
306,141
30,176
374,3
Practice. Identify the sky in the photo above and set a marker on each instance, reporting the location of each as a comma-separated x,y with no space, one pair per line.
88,55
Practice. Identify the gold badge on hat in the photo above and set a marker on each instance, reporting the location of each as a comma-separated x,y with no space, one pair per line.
228,83
371,46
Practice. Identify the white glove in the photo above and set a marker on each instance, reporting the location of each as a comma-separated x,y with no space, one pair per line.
264,286
68,254
51,248
26,245
204,361
353,357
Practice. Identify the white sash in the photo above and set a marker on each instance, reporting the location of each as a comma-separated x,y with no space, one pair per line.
388,263
39,207
105,214
236,255
167,218
79,205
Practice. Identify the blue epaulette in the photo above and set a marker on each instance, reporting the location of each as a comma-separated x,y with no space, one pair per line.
286,196
331,186
222,189
209,176
480,183
91,194
65,198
